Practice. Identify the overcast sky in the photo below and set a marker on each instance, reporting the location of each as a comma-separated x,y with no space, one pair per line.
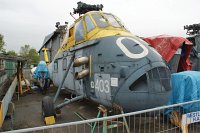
29,21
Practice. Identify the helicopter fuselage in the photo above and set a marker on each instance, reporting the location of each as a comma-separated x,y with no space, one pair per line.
122,70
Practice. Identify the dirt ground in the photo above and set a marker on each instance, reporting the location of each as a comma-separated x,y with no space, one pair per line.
28,110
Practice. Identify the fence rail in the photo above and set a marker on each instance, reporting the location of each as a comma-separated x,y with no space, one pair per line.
146,121
4,104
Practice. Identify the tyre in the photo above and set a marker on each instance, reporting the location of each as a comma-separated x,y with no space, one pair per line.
48,107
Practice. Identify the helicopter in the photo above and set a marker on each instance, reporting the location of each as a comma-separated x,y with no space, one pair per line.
193,32
101,60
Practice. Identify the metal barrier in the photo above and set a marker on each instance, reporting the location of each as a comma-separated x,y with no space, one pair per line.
4,104
145,121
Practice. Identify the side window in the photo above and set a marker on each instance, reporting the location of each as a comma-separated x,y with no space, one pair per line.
56,66
159,80
79,31
89,24
140,85
100,21
64,63
71,32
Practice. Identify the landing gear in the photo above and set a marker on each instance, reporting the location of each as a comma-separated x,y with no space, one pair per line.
48,107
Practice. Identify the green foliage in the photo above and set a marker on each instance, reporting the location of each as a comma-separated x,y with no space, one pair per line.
2,44
24,50
12,53
29,53
33,55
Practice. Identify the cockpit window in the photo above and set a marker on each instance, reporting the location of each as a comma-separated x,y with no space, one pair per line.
89,24
79,31
112,20
100,21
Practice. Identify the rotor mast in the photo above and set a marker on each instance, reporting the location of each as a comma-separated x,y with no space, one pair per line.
83,8
193,29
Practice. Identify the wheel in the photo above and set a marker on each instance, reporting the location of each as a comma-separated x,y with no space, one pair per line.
48,107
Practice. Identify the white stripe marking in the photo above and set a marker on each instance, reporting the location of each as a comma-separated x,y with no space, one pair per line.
127,52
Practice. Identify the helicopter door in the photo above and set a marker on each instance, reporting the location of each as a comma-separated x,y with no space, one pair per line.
100,81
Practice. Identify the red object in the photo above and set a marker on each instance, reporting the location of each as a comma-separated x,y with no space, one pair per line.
167,46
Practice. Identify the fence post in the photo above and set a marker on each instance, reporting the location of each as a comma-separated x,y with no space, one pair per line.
184,128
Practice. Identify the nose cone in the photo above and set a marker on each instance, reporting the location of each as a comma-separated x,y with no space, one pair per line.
145,89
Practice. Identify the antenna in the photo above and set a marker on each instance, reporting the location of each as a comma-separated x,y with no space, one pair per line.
72,15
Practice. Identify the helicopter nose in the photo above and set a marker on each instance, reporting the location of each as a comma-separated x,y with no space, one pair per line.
149,90
156,80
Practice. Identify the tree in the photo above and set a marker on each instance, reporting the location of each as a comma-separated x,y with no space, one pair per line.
2,44
12,53
29,53
33,55
24,50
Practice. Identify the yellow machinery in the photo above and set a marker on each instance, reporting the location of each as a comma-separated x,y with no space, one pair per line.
20,77
46,59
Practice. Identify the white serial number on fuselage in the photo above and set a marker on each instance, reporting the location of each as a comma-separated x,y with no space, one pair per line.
101,83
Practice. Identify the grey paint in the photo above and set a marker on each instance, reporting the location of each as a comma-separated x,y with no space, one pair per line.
195,54
53,43
46,39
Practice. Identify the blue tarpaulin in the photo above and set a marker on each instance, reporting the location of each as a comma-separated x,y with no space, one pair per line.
41,69
185,87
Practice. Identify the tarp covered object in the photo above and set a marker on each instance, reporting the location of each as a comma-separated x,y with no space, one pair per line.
185,87
167,46
41,69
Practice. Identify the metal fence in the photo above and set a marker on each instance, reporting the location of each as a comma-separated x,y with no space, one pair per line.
10,67
145,121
